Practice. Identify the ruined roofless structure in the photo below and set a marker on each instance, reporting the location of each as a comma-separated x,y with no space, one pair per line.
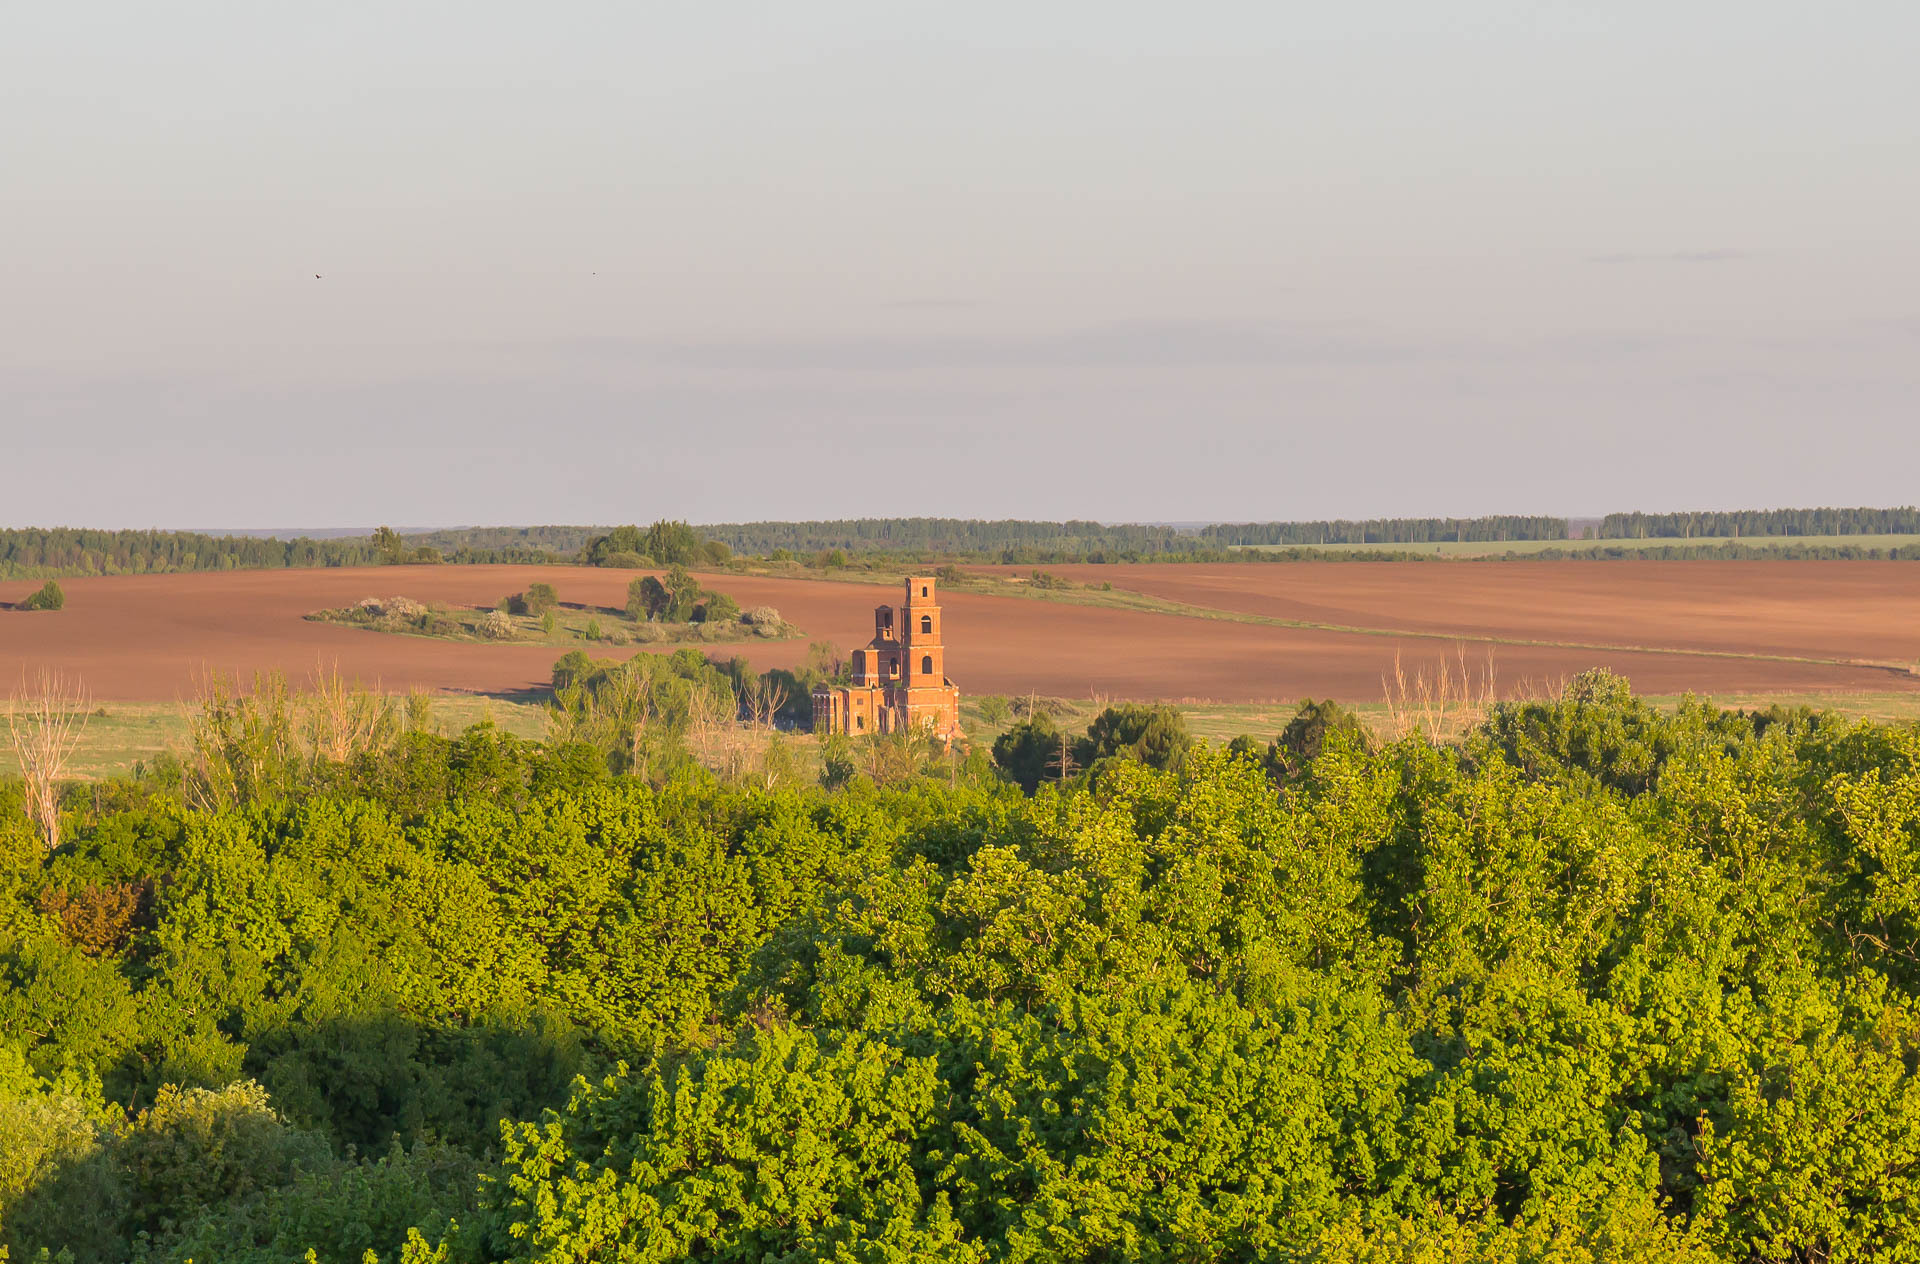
900,678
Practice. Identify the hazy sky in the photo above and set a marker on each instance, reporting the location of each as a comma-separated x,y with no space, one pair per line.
606,262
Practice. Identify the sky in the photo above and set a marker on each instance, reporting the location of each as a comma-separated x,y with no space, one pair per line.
481,263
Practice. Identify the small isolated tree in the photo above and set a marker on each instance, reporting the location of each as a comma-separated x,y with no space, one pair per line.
44,723
386,542
48,597
995,710
647,599
541,598
683,594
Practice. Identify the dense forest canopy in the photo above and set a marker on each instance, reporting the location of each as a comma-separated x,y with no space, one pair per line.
1596,983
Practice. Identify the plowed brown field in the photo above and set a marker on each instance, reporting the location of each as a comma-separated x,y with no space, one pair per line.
1840,610
151,637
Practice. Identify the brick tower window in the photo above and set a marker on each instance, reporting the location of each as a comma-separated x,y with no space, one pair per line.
926,665
923,590
926,623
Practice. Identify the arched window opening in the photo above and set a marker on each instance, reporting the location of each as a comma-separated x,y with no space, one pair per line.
923,590
926,624
926,665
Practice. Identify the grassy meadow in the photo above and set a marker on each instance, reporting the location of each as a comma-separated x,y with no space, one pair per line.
122,735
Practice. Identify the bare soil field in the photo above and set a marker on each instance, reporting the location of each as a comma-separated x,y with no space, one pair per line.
151,638
1866,611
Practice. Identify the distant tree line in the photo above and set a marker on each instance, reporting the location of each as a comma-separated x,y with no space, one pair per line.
665,543
1389,530
946,535
35,552
1746,522
884,543
561,542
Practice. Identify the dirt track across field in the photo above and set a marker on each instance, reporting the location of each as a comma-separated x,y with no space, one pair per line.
150,638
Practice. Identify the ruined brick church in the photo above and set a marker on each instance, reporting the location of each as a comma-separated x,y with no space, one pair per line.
899,678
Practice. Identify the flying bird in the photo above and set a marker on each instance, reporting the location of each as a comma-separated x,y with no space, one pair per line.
316,276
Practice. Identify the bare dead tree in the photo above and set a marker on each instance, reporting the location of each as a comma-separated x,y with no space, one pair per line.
1063,764
343,719
766,698
44,723
703,719
1439,701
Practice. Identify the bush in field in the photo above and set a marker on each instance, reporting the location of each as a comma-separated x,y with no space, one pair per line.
496,625
673,599
47,597
389,614
995,710
716,608
536,600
